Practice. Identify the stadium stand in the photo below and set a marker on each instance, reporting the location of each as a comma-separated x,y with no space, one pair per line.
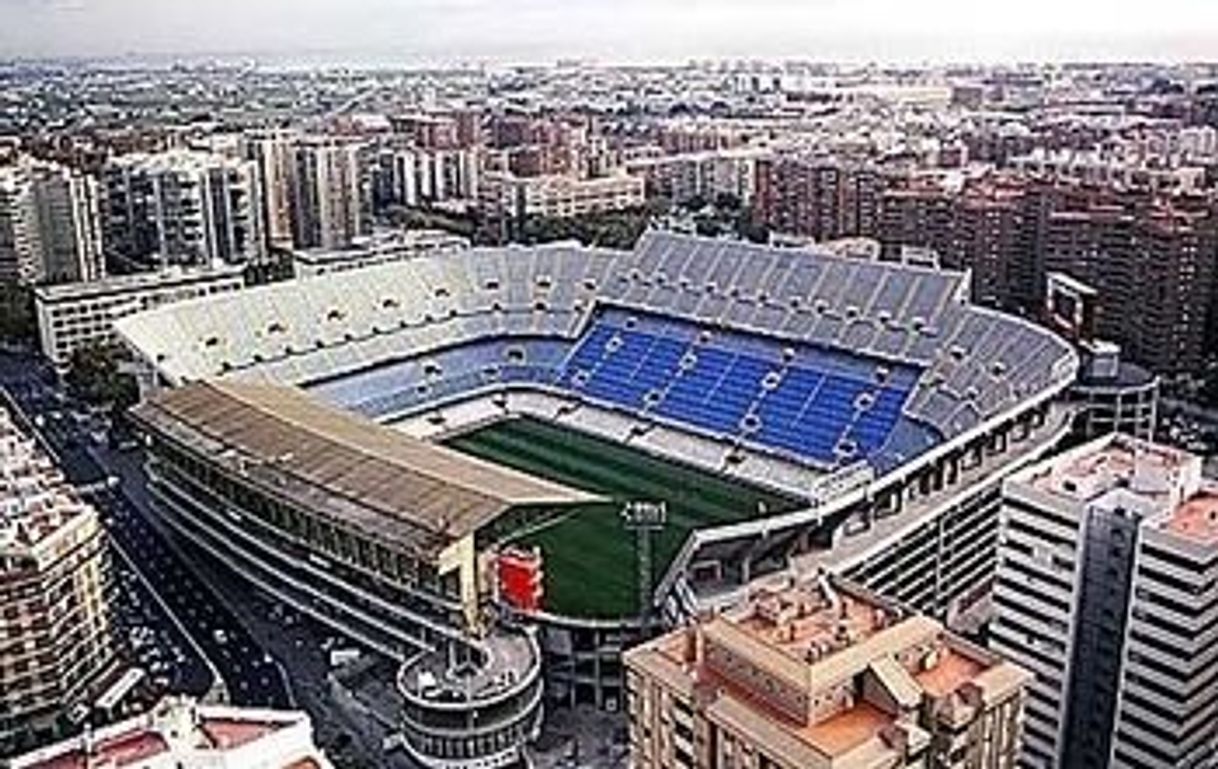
800,354
812,403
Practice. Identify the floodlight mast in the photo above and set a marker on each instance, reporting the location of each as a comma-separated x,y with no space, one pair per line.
644,518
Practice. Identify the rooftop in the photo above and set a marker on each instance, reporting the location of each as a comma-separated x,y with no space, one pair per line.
827,669
371,477
182,734
1196,518
36,501
1163,484
141,281
385,244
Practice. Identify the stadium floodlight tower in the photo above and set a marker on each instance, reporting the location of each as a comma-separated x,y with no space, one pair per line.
645,518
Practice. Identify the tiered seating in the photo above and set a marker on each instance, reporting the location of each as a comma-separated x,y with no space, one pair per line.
444,375
792,365
806,402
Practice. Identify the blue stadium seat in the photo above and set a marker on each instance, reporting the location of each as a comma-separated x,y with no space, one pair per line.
813,406
798,400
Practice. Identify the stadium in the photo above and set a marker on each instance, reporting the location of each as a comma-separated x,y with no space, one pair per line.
761,407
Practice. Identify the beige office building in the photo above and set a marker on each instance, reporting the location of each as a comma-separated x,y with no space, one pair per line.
821,675
557,196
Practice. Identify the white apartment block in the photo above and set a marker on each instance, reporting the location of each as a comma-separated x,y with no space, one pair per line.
1107,590
705,175
1095,167
558,196
49,225
416,176
76,315
182,207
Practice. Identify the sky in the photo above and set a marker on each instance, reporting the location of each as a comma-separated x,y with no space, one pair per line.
534,31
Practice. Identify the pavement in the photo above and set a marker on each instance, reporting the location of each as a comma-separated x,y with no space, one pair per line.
582,738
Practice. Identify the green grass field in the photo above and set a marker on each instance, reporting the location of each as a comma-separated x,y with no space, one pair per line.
590,559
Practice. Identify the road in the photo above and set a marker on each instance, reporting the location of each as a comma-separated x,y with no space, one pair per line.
250,676
264,654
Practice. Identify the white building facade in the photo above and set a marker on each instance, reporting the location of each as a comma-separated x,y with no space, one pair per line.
1108,591
77,315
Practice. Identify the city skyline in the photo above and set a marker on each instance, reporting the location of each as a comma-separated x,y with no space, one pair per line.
437,384
386,33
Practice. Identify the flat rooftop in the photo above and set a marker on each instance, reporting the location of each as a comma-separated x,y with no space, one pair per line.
1166,483
137,282
373,478
792,621
36,500
860,665
1196,518
182,734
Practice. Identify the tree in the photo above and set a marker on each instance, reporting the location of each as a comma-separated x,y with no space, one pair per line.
607,229
749,229
727,202
694,203
278,267
95,376
17,324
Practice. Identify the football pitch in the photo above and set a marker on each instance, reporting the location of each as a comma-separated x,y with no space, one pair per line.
590,558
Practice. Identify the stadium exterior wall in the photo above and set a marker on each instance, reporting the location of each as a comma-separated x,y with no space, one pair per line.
423,631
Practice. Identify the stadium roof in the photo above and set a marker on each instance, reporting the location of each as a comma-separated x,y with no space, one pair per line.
372,478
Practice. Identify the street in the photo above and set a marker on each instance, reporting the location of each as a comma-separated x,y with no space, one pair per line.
193,625
247,674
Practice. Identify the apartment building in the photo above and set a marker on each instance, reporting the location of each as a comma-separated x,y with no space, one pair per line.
1126,171
820,197
705,175
274,157
57,643
1154,265
820,675
987,227
182,207
415,176
330,196
1106,591
507,196
50,229
76,315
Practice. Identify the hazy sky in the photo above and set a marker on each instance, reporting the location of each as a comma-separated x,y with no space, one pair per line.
618,30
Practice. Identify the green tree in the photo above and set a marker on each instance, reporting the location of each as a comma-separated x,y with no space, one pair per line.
727,202
278,267
95,376
17,324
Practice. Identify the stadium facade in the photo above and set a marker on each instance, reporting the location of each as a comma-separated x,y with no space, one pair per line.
871,408
367,530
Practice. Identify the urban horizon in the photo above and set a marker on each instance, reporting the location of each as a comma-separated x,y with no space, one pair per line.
767,385
536,31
